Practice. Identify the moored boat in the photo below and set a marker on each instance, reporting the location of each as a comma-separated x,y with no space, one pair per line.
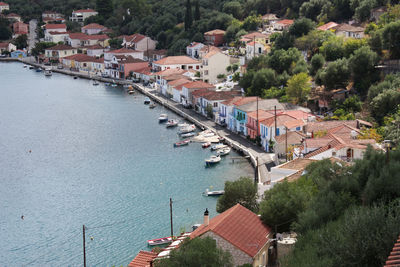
31,67
205,145
38,69
218,146
213,160
163,118
152,106
146,100
95,82
214,193
159,241
171,123
182,143
223,151
47,72
188,134
187,129
25,66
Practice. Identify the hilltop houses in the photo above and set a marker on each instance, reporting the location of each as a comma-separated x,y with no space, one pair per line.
81,14
283,24
51,16
213,63
193,50
81,39
138,42
12,17
20,28
57,52
55,33
176,62
214,37
4,6
93,28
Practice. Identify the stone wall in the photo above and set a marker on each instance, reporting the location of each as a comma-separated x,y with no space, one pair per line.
239,257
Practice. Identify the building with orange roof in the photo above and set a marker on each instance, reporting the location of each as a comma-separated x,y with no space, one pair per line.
13,17
255,37
213,63
139,42
20,28
214,37
189,88
93,28
79,39
59,51
240,232
143,259
327,26
50,16
165,76
81,14
177,62
253,121
4,6
254,49
111,63
283,24
226,110
175,89
205,98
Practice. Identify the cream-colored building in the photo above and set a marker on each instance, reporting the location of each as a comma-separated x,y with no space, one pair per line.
82,14
4,6
240,232
213,63
60,51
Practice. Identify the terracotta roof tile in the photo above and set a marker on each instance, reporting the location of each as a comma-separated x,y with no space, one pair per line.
292,138
213,32
198,85
170,72
179,81
122,51
327,26
60,47
134,38
175,60
3,4
94,26
262,114
55,26
80,58
286,21
143,259
240,227
83,10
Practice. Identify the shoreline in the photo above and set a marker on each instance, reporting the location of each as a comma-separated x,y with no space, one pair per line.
260,169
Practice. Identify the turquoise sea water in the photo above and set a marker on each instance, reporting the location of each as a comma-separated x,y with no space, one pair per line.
72,153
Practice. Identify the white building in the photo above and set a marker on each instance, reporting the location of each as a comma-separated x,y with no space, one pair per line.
55,33
82,14
177,62
193,50
80,39
254,49
4,6
9,47
189,88
94,50
111,68
59,51
93,28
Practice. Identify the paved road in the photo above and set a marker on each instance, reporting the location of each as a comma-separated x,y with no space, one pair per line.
32,38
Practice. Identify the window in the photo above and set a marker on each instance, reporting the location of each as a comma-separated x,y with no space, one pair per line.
215,104
197,67
298,128
259,50
277,131
206,72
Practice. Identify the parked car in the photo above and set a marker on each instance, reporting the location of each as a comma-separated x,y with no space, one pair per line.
60,66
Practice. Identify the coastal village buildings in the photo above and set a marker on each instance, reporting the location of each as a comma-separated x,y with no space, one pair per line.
78,62
138,42
93,50
57,52
20,28
12,17
176,62
4,6
283,24
213,63
328,26
154,55
51,16
214,37
240,232
93,28
80,39
350,31
7,46
111,66
254,49
82,14
193,50
55,33
123,65
189,88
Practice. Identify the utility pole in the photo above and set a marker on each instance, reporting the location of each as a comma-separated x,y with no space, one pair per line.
170,211
286,148
275,120
256,172
254,46
257,120
84,247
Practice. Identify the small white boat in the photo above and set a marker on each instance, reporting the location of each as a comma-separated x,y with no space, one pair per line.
31,67
47,72
146,101
163,118
223,151
95,82
214,193
114,85
159,241
187,129
171,123
213,160
152,106
183,124
205,145
211,134
25,66
188,135
218,146
182,143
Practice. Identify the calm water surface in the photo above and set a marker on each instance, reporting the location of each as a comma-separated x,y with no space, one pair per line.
98,157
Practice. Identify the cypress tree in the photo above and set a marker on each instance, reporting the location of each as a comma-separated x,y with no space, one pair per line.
188,16
197,11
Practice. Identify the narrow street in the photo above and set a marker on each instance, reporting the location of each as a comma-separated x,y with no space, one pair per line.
32,37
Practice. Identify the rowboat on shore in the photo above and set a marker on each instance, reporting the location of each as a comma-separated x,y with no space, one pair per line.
159,241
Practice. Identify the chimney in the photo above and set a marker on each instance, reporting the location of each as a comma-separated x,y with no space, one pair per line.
206,218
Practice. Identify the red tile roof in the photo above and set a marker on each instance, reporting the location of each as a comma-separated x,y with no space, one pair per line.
255,34
215,32
13,15
176,60
134,38
80,58
93,47
240,227
82,36
143,259
83,10
94,26
179,82
3,4
122,51
55,26
286,21
198,85
245,100
394,257
281,120
61,47
327,26
262,114
4,45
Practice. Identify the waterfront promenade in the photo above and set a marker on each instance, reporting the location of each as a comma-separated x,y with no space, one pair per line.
258,157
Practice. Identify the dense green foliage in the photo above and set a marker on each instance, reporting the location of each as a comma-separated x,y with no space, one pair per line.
197,252
336,208
242,191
